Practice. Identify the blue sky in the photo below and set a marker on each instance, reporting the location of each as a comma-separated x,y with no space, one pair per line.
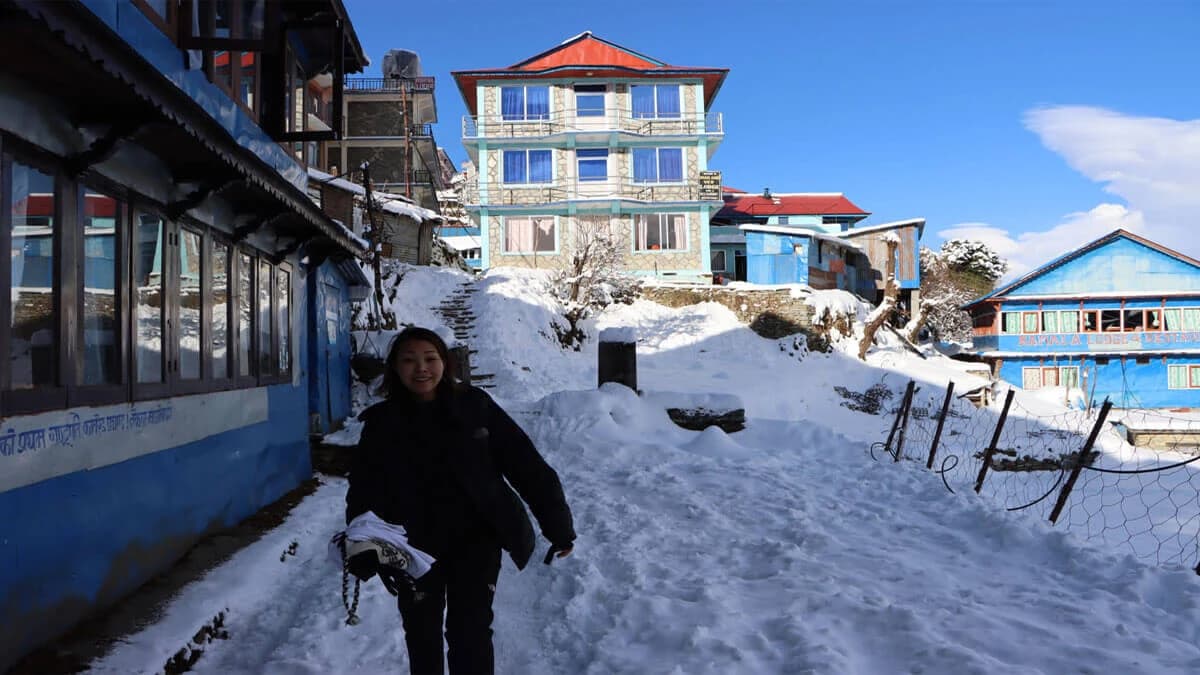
1032,125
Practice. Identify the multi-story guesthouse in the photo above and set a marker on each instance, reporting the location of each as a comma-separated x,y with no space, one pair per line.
1118,318
812,238
388,123
590,138
174,305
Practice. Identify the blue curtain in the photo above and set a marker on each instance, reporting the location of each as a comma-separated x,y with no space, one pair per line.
643,101
514,166
539,166
668,100
670,165
512,103
537,103
645,165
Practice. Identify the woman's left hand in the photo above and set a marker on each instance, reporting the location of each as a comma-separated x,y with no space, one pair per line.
557,552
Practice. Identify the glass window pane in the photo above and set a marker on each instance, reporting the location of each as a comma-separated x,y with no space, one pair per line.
265,366
643,101
1050,322
101,348
1031,322
1172,317
1194,376
1191,318
1069,321
223,69
544,232
537,103
667,99
1176,377
1089,321
540,170
189,305
245,315
248,82
148,300
512,103
1012,322
670,165
219,326
645,165
33,352
282,302
1153,319
514,166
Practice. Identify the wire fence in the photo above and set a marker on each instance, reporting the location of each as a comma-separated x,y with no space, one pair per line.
1127,477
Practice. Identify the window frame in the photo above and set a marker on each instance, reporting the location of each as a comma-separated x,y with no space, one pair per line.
44,397
580,159
633,114
527,172
686,225
591,90
249,380
1037,322
724,260
167,289
657,180
525,114
201,383
228,380
504,222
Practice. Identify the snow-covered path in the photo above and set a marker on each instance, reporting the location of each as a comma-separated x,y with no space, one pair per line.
781,549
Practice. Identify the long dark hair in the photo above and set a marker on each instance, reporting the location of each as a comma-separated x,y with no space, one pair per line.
392,387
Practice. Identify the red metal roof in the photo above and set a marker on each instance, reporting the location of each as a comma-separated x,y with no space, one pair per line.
757,206
587,56
732,190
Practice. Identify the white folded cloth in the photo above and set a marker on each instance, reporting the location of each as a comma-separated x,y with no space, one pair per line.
370,527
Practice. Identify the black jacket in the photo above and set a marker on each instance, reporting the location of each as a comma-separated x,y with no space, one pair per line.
443,470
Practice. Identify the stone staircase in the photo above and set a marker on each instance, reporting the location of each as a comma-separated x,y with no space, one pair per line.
457,313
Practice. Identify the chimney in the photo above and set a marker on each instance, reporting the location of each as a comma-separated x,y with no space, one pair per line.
766,193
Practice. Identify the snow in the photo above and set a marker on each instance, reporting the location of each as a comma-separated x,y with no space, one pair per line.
828,304
463,242
683,400
782,548
621,334
883,226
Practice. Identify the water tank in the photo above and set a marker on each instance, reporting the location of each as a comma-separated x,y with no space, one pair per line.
401,63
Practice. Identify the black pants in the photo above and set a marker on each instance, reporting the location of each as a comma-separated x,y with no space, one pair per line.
462,586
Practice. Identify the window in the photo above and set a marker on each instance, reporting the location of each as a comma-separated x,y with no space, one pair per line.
219,303
527,166
785,220
1068,376
1037,377
1153,320
655,101
1012,322
1110,320
660,232
519,104
1049,322
593,164
190,302
1091,323
1187,318
658,165
33,227
530,234
718,261
105,300
1133,320
283,298
245,302
101,217
1029,322
161,13
589,100
148,246
1068,321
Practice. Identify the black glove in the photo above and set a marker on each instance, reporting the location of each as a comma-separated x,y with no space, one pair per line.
363,565
555,548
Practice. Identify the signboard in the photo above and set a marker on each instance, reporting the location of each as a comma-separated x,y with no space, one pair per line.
710,186
1100,342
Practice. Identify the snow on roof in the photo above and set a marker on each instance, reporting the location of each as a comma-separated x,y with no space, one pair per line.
350,233
462,242
800,232
919,222
340,183
727,239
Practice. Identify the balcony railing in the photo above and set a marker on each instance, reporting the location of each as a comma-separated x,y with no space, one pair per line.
497,193
389,84
612,119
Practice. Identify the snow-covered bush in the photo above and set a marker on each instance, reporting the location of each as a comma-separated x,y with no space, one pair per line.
592,279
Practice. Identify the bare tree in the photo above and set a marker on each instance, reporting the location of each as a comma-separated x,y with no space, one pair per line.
592,277
891,290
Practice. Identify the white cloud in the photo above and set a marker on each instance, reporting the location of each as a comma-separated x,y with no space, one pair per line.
1152,163
1032,249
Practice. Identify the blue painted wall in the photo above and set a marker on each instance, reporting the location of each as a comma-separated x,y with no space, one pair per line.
772,258
1121,266
1125,382
81,541
328,360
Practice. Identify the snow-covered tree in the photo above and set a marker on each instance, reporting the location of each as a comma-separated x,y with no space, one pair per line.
960,272
891,290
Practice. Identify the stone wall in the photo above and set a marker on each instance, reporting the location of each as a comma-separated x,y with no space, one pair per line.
772,313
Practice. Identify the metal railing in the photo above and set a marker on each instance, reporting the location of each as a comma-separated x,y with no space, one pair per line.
499,193
613,119
389,84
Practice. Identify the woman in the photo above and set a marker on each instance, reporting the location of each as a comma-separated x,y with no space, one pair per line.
435,457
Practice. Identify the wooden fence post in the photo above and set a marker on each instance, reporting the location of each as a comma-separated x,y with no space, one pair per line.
1087,449
987,457
462,363
901,412
904,424
937,435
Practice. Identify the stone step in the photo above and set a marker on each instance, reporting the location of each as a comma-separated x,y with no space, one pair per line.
482,376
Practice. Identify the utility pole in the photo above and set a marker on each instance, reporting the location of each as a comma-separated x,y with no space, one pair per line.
384,319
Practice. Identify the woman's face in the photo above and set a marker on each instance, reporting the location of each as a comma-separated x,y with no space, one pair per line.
419,367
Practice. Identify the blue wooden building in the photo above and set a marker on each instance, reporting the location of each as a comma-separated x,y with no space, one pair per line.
173,307
1116,318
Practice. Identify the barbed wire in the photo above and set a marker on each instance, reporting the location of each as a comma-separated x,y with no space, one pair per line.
1138,488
